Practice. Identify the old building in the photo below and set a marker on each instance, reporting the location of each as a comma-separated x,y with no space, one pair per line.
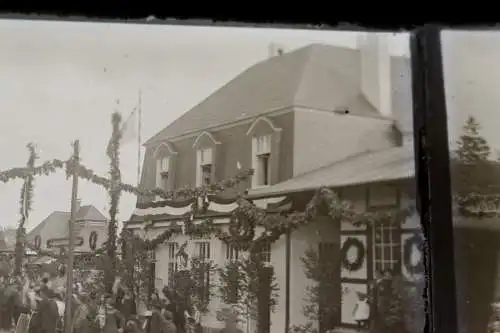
318,116
52,232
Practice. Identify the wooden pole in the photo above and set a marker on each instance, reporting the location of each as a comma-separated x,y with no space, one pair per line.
71,236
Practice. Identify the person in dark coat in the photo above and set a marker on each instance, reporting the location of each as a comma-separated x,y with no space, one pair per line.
114,321
9,295
133,325
36,318
168,325
128,306
49,311
154,323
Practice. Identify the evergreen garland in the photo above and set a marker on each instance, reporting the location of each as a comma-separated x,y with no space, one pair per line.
25,208
324,202
114,195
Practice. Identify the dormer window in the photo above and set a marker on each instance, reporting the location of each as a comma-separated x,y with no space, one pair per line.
205,145
165,161
263,158
265,151
205,167
162,168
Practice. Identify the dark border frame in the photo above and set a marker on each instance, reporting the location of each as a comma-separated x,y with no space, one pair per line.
432,171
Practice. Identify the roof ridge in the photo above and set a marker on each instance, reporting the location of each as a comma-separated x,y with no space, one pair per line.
306,64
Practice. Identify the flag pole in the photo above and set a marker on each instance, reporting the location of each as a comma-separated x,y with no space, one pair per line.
139,127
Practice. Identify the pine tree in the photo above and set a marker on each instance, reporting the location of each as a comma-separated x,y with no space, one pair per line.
472,147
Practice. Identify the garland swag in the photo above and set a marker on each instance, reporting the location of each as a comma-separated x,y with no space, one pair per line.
246,217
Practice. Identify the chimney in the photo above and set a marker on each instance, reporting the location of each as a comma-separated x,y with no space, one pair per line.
376,71
275,50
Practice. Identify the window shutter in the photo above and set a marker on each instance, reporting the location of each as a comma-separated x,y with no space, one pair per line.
275,157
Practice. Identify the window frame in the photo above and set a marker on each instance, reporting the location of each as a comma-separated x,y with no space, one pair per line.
201,162
172,248
380,244
261,148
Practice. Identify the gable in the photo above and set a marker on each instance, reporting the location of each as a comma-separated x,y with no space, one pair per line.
54,226
205,140
90,213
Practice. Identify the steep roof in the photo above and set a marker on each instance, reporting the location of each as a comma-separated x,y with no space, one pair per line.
395,163
90,213
321,77
56,224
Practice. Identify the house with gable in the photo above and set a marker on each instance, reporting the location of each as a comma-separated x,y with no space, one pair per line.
52,233
320,115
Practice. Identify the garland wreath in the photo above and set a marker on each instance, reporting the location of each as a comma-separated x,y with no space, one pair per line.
242,225
410,244
93,240
350,243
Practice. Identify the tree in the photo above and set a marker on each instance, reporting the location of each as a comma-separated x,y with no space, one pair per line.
318,302
472,147
475,176
248,283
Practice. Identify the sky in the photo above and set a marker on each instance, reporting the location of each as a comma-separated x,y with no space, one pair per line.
471,69
61,81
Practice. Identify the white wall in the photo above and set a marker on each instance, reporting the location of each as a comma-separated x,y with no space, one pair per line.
338,135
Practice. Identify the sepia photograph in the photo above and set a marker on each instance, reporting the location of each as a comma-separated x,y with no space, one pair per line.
470,78
217,179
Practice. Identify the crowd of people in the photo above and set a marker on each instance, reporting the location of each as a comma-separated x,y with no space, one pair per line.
37,305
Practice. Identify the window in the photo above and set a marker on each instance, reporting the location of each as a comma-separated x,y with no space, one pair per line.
262,151
263,169
171,262
264,251
387,247
202,250
205,167
232,252
162,170
206,174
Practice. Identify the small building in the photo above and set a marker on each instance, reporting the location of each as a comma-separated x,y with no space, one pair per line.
318,116
52,233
